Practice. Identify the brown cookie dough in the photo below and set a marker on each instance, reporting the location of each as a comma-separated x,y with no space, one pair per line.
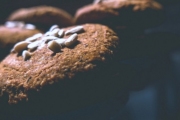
121,13
42,16
49,81
10,35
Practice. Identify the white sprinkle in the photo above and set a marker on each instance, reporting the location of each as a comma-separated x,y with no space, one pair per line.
33,45
30,26
74,30
10,24
49,38
30,39
61,41
100,1
38,35
97,1
54,46
54,32
41,45
13,24
20,24
71,40
18,47
61,33
26,55
34,37
53,27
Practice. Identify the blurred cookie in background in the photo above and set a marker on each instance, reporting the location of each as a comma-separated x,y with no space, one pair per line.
43,16
120,14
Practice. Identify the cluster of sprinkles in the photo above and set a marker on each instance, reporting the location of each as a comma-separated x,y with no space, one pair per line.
19,24
53,38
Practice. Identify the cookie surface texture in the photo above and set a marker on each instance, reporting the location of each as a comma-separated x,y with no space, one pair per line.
62,76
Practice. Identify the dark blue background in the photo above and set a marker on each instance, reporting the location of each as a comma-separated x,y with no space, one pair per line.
159,96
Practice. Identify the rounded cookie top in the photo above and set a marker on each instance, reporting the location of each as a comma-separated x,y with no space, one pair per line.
74,61
42,16
129,13
13,32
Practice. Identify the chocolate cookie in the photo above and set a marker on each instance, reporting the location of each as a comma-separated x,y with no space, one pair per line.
60,70
42,16
13,32
121,13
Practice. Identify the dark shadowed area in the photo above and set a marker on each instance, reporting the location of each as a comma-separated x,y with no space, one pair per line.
153,61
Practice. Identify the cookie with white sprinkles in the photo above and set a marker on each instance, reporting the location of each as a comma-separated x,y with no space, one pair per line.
43,16
69,68
12,32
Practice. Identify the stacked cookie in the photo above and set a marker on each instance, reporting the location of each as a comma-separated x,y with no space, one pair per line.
43,16
75,62
118,14
26,22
